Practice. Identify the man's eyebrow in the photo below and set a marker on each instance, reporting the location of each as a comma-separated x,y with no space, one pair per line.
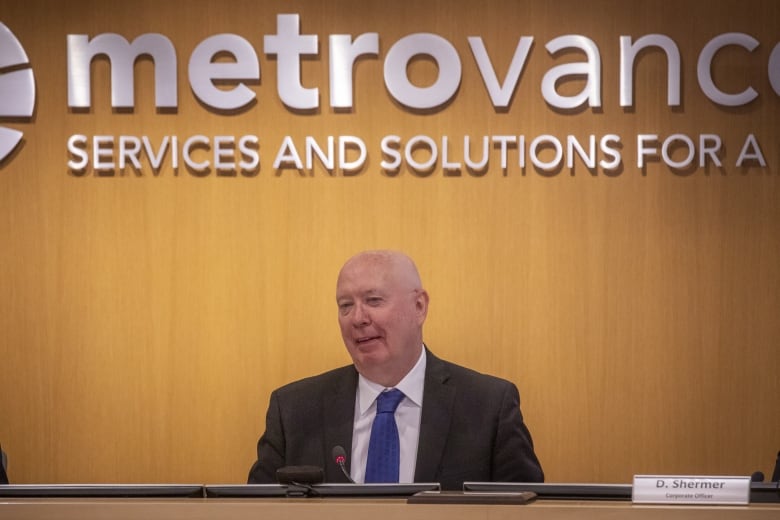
373,291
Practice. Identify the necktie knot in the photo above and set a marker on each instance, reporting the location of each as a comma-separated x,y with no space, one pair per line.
388,401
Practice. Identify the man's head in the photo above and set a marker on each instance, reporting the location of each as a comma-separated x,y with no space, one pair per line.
382,308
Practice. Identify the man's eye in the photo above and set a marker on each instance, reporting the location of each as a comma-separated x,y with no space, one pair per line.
373,301
344,307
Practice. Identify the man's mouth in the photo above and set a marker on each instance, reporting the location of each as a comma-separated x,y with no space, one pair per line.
360,341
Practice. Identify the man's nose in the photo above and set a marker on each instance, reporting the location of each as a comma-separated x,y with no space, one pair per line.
360,318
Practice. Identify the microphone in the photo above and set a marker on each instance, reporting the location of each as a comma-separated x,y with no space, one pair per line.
340,458
757,476
300,480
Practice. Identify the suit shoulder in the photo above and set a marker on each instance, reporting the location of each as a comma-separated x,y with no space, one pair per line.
459,373
319,383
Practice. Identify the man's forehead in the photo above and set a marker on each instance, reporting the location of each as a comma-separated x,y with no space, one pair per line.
366,270
366,282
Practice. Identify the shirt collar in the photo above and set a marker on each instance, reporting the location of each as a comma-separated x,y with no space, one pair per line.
411,385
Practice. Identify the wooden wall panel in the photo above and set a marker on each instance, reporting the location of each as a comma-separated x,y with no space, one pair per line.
144,319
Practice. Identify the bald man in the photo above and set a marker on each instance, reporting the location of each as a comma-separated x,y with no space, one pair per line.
454,424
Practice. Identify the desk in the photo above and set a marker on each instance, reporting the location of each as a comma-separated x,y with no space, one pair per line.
358,508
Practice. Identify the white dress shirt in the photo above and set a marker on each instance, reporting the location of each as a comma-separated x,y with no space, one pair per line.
407,418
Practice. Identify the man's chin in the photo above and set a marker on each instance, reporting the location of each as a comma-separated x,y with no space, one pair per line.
370,354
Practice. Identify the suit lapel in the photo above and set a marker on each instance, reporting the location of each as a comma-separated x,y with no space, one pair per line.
339,414
438,399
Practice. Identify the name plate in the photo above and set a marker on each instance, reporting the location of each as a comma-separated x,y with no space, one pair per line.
675,489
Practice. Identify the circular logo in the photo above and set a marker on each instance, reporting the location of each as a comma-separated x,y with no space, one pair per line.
17,89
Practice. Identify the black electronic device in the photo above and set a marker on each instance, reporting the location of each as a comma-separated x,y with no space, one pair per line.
473,497
102,490
322,490
557,491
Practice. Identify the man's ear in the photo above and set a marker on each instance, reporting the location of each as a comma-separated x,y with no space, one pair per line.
421,305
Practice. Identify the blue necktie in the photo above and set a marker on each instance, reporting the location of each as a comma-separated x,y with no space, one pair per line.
383,447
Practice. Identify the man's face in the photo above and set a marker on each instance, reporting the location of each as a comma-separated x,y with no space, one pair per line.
381,313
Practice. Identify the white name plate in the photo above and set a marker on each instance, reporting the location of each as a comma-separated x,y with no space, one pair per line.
675,489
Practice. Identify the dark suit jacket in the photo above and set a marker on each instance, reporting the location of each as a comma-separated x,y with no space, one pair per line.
471,428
